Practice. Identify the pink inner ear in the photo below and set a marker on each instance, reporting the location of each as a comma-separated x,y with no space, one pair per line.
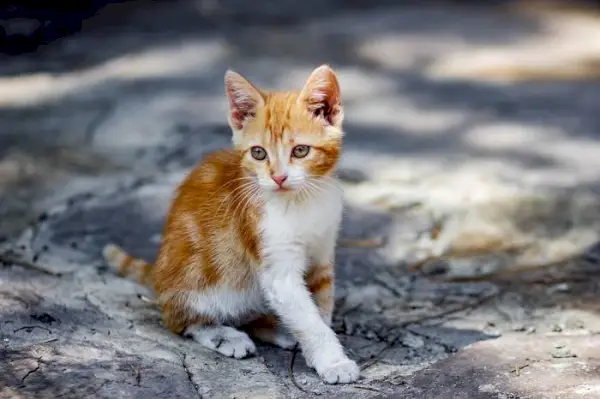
324,103
241,111
242,107
322,96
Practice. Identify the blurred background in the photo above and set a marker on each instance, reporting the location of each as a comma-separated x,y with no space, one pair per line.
472,153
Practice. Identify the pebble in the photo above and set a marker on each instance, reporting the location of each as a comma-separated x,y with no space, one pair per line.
556,328
562,353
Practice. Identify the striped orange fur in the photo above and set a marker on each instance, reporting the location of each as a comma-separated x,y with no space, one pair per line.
221,239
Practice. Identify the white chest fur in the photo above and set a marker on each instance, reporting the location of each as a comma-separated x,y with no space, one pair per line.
311,224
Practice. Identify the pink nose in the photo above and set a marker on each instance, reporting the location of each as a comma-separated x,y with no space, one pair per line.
279,179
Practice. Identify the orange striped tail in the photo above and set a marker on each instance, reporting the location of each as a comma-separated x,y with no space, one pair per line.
126,265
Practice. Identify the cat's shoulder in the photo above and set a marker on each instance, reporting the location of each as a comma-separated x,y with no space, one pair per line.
216,166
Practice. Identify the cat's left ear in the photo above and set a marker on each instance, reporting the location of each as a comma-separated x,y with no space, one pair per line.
321,95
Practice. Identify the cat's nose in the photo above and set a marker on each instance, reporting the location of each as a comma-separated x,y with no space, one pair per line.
279,179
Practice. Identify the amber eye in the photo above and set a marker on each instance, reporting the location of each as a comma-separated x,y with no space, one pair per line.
300,151
258,153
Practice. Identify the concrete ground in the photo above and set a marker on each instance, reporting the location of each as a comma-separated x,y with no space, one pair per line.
469,259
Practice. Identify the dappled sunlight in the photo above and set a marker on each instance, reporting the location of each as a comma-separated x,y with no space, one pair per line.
564,41
566,156
192,56
468,251
404,115
427,179
483,46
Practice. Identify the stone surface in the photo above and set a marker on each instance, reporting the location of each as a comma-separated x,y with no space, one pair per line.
514,366
483,194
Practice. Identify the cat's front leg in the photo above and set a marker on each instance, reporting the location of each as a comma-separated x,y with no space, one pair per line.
282,279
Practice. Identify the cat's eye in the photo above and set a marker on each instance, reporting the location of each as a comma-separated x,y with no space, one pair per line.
300,151
258,153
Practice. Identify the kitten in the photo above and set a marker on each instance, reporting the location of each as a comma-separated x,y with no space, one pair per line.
248,247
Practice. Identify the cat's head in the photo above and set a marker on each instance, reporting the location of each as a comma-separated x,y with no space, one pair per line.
290,139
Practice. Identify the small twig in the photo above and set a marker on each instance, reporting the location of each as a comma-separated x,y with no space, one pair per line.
291,372
8,260
37,367
31,328
375,358
361,243
517,369
366,388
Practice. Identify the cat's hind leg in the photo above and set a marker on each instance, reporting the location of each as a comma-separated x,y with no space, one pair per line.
268,328
223,339
184,317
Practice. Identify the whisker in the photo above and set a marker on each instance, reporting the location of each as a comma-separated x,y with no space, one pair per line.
331,182
251,197
220,188
234,192
312,189
248,197
315,185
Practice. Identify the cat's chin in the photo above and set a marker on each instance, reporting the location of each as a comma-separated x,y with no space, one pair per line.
284,191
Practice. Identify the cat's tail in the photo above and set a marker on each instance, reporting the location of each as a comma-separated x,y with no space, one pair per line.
126,265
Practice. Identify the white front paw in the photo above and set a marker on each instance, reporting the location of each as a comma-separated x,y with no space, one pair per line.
341,372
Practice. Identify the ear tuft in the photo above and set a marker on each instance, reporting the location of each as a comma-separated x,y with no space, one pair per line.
321,95
244,99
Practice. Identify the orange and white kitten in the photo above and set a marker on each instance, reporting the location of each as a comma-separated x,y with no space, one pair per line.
248,248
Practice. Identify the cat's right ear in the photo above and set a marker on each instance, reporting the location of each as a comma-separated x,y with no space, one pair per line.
244,99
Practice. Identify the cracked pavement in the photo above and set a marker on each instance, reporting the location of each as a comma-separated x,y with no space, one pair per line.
468,261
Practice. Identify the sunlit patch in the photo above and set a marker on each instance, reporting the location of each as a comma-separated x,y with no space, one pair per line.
158,62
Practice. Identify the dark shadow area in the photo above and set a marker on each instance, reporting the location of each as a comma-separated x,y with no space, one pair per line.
133,29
